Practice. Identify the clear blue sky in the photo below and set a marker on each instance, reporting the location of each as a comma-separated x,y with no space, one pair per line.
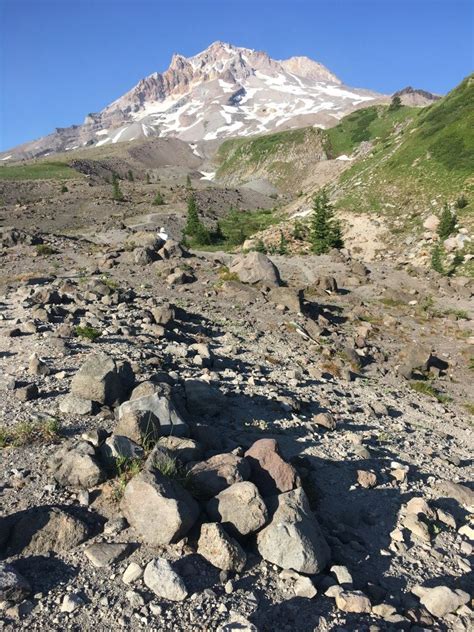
60,59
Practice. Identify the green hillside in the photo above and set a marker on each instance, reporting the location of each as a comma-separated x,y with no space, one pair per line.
420,165
40,170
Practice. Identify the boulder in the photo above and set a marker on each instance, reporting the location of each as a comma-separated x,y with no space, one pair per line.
163,315
182,449
210,477
270,472
431,223
13,586
158,508
146,418
202,399
293,539
353,601
103,380
288,297
73,405
255,267
43,530
75,465
219,549
103,554
240,508
119,447
161,579
441,600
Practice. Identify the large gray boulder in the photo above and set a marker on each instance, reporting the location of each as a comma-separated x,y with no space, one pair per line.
240,508
158,508
101,379
293,539
43,530
255,267
161,579
146,418
75,465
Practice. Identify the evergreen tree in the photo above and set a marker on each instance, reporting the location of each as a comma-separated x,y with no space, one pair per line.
194,228
436,260
117,193
148,179
396,103
325,230
189,184
217,236
130,176
447,223
159,199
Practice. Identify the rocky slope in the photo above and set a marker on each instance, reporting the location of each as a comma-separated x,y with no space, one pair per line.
204,440
221,92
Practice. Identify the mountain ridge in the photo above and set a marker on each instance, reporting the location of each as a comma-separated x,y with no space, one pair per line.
222,91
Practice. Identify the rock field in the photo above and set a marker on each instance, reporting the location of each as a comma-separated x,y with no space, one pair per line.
206,441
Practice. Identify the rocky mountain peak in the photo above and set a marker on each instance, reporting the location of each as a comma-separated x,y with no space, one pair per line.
223,91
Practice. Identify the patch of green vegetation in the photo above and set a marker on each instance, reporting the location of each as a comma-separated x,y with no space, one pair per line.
239,153
225,275
27,432
428,389
376,122
126,469
391,302
38,171
469,407
44,250
172,468
87,332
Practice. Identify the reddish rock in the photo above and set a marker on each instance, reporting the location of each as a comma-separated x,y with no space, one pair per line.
270,473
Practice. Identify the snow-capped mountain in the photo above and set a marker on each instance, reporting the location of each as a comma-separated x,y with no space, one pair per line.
221,92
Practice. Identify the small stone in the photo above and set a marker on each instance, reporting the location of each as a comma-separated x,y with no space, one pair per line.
353,601
104,553
27,393
219,549
304,587
417,527
71,602
366,479
133,572
342,575
160,578
418,505
326,420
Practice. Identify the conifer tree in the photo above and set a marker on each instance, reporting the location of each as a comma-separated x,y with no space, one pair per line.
436,262
117,193
325,230
283,245
447,223
194,228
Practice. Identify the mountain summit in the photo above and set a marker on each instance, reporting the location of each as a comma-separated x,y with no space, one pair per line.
223,91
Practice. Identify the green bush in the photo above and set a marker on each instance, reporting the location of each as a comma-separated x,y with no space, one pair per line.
89,333
159,199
